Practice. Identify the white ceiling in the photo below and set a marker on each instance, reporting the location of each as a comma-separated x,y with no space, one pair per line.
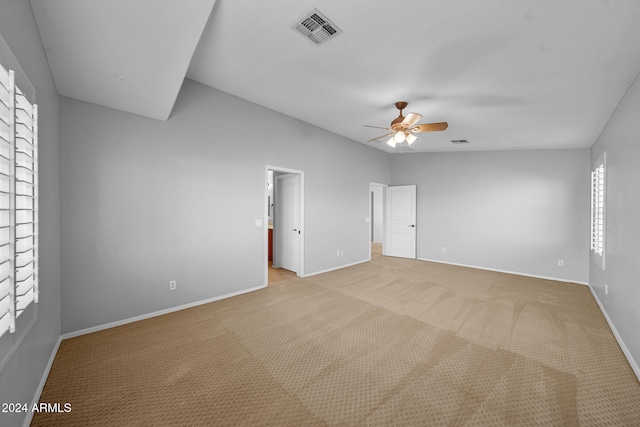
505,74
131,55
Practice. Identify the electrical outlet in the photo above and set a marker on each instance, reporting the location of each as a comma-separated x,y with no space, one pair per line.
561,262
173,285
606,289
341,252
338,252
444,249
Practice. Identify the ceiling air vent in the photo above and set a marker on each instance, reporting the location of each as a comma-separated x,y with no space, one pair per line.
316,27
459,141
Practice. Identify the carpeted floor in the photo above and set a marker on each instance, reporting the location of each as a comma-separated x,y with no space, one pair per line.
388,342
278,275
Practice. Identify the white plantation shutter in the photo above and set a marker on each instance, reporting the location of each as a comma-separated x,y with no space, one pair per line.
18,202
26,185
598,187
7,286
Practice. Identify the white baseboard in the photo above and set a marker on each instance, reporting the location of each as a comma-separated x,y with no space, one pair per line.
43,380
337,268
625,350
517,273
156,313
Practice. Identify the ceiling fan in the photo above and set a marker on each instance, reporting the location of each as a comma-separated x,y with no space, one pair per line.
403,128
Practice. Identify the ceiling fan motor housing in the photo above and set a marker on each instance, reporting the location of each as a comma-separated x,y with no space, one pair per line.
395,124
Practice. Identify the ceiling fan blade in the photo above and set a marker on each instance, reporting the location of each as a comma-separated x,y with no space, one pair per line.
381,136
430,127
411,119
376,127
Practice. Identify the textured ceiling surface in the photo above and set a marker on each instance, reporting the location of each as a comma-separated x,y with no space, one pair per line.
526,74
128,55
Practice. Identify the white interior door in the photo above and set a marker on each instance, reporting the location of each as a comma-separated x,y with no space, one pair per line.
401,221
288,229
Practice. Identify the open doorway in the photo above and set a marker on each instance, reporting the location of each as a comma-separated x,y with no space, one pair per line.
377,194
284,234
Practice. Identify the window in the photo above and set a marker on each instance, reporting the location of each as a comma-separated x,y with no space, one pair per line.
598,188
18,202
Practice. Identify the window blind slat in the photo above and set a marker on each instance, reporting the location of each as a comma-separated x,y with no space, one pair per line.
5,219
4,136
4,77
22,301
4,112
23,286
24,145
22,131
22,116
4,96
5,287
5,323
23,103
5,303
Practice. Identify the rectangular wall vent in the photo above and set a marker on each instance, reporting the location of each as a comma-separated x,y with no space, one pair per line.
316,27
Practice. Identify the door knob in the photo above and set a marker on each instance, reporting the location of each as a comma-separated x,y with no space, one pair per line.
412,225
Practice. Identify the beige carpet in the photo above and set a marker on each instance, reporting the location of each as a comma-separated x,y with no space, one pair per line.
389,342
278,275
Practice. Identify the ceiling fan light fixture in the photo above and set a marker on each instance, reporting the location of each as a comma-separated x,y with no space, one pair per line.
399,136
411,138
391,142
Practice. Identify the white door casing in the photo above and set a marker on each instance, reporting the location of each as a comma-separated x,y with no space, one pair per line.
401,221
377,216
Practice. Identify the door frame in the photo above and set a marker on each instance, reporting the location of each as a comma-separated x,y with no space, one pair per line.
300,173
384,215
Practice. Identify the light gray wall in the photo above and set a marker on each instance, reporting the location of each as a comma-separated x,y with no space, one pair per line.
621,140
21,375
517,211
145,201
